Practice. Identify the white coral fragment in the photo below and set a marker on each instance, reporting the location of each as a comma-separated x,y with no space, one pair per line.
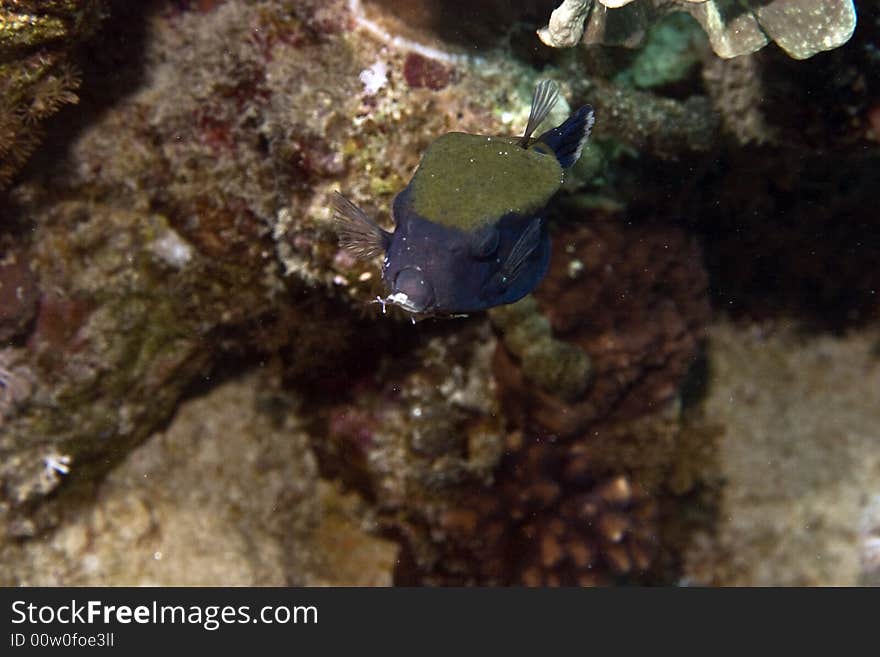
55,466
566,25
374,78
801,28
172,249
731,34
615,4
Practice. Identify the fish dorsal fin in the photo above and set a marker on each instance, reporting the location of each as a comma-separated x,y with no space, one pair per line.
545,97
357,232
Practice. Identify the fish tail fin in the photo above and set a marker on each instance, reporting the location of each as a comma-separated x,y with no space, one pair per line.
545,97
568,140
357,232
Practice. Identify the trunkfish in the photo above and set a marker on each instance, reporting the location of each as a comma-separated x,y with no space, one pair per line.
470,227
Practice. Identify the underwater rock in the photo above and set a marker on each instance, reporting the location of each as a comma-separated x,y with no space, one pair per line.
634,299
160,248
547,517
16,381
420,71
555,366
19,292
450,29
38,23
416,438
420,426
869,538
652,125
186,216
119,334
227,494
799,457
737,92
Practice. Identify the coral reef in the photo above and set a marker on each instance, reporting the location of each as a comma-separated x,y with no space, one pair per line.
196,388
548,521
758,95
793,185
415,437
450,30
16,381
36,74
418,426
801,28
591,511
187,221
737,90
554,365
566,26
663,127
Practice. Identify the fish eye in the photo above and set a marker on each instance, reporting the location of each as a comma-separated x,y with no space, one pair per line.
486,242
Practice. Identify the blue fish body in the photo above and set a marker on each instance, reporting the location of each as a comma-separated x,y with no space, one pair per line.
444,269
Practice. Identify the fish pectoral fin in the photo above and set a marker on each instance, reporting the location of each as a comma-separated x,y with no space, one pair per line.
357,232
545,97
525,246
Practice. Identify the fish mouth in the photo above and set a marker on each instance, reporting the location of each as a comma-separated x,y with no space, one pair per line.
401,300
410,290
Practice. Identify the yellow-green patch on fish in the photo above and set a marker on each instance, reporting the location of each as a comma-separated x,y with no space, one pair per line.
465,181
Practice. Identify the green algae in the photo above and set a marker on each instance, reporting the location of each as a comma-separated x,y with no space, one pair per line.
671,52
